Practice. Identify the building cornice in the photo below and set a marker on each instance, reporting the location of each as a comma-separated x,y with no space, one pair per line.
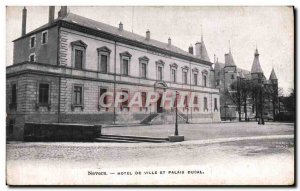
62,71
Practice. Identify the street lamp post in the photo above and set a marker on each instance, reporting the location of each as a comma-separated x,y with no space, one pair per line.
176,119
176,137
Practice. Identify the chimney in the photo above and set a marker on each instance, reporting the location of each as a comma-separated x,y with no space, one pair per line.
169,41
121,26
24,18
51,14
191,49
147,35
198,49
63,11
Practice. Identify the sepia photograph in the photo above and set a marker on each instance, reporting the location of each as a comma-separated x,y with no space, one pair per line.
150,95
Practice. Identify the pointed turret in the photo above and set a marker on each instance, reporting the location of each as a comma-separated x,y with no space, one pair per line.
229,59
256,68
273,75
201,51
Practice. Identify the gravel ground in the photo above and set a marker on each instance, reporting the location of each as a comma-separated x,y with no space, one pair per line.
252,155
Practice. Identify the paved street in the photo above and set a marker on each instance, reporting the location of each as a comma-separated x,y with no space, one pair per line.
235,153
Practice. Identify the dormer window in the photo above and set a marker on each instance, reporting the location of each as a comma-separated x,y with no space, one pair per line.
103,59
44,37
78,54
32,41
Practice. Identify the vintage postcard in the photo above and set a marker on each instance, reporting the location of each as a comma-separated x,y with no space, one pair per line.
150,95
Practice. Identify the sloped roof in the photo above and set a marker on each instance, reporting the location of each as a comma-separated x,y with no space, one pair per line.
256,68
273,75
229,59
96,25
203,51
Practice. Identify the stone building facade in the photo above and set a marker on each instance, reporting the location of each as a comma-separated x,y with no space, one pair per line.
61,69
227,73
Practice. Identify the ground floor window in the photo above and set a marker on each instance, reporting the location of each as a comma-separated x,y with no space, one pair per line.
205,104
44,94
124,104
77,95
216,104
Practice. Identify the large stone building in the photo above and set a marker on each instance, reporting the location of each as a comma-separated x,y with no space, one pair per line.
61,69
228,73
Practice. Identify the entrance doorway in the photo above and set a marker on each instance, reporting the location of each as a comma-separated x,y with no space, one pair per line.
158,104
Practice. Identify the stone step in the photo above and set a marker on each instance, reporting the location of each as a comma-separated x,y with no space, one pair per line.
135,137
114,140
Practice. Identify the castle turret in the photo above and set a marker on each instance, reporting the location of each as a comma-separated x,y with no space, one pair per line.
230,71
273,77
257,73
200,50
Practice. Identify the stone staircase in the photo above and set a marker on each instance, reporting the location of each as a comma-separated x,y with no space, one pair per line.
167,117
149,118
129,139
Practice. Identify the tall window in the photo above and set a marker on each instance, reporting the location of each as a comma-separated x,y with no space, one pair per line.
103,64
78,59
173,75
78,54
195,100
143,95
195,79
216,104
32,42
103,91
43,94
143,70
44,37
143,63
185,77
103,59
196,103
125,63
14,95
232,77
125,67
160,72
205,103
78,95
204,78
124,103
185,101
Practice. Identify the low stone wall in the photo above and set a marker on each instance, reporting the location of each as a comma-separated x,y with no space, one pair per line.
60,132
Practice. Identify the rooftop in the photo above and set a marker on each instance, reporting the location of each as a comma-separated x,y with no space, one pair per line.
99,26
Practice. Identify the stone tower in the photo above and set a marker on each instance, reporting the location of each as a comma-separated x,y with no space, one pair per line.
257,73
230,72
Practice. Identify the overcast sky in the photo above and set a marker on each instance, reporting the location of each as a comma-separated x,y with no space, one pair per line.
271,28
